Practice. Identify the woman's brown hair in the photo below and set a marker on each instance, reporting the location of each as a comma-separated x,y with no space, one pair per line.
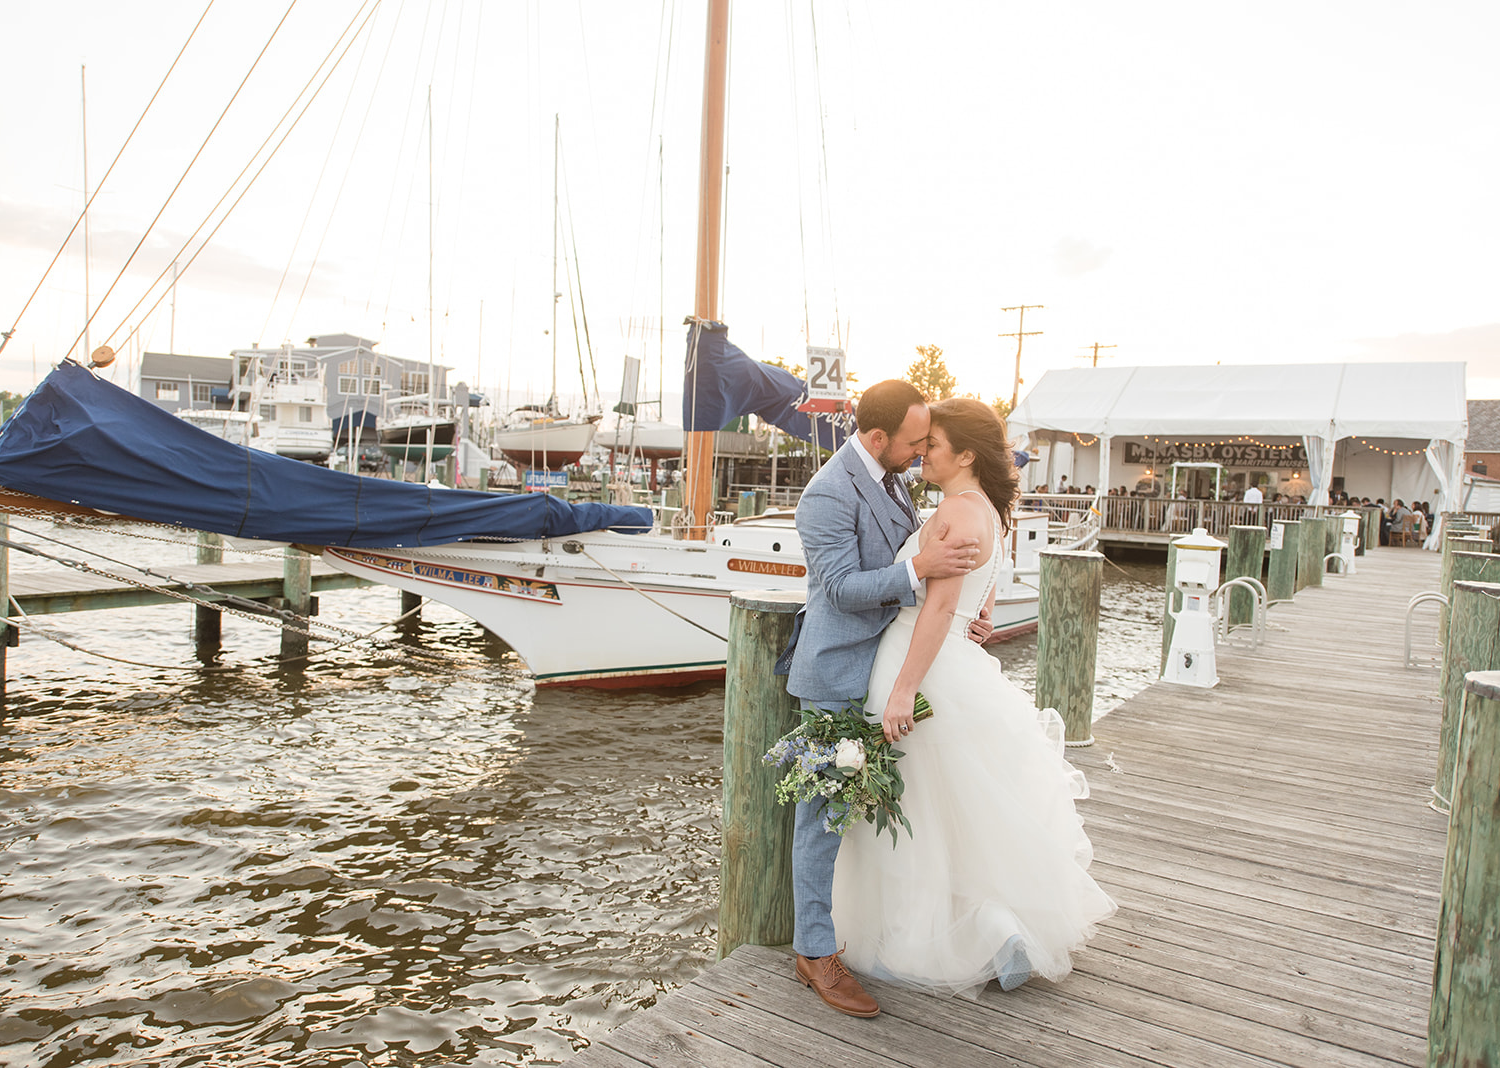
976,427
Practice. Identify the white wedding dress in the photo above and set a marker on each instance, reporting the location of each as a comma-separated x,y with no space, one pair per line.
993,881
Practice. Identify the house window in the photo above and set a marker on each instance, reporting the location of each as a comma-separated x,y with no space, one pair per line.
166,391
349,367
203,393
413,382
372,368
348,386
372,387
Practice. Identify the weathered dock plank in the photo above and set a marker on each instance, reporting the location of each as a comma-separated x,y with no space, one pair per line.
1269,843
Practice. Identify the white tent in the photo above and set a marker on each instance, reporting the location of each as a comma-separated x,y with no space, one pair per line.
1322,403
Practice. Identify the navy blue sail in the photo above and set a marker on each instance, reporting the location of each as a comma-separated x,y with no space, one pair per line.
722,383
81,440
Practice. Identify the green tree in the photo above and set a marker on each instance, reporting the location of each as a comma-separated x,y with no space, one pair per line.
9,402
930,374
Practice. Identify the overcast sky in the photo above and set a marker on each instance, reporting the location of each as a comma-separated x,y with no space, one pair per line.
1188,182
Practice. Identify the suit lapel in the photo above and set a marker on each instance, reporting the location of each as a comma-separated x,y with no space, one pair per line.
894,523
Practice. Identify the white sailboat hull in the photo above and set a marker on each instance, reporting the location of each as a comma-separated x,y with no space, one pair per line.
550,444
614,610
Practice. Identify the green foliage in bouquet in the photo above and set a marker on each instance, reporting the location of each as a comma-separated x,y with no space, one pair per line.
844,758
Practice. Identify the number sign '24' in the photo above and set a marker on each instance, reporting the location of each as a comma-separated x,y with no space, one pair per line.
825,374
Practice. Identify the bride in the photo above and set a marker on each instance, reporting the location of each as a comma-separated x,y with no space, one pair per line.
993,882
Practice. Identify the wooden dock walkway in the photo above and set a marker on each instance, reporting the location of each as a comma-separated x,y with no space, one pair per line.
1271,848
67,590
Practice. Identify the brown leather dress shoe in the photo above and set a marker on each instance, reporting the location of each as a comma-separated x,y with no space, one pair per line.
832,982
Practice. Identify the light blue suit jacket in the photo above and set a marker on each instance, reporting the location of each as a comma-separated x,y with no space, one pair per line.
851,531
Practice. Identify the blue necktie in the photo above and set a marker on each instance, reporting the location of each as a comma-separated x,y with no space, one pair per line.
898,495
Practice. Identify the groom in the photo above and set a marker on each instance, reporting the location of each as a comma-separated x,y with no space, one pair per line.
853,518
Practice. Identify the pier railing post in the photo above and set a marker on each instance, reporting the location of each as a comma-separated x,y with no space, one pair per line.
1310,554
1281,576
296,588
1067,641
1466,969
1333,535
1245,559
208,622
755,865
1473,644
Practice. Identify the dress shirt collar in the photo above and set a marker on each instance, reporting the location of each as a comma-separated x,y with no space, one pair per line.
872,465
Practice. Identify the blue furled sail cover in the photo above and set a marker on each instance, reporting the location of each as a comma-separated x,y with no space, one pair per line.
79,439
722,383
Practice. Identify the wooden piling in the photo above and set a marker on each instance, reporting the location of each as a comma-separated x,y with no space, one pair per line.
208,623
1244,559
1067,642
1333,541
296,587
5,628
1281,578
1310,554
1172,602
1461,542
1473,645
755,866
1461,1028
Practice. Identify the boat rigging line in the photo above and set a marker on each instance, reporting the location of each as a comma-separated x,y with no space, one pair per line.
181,178
89,200
626,582
253,178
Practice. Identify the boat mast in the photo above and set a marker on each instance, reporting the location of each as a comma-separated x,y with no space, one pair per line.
431,376
88,312
698,489
556,136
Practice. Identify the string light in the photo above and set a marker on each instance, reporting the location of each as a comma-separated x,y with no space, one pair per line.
1390,452
1085,444
1225,441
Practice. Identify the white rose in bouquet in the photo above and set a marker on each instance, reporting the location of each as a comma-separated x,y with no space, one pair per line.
849,754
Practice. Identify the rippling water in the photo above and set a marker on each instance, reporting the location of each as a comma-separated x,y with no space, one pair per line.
360,862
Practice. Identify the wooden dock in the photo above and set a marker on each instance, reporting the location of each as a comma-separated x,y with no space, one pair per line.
68,590
1271,848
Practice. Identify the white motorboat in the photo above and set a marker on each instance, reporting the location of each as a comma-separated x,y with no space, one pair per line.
285,389
241,428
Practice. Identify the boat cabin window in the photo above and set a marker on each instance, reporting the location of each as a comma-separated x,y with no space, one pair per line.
304,414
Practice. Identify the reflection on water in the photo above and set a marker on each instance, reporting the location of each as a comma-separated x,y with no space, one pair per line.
359,863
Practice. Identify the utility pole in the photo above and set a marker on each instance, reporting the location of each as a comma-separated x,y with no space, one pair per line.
1021,333
1096,347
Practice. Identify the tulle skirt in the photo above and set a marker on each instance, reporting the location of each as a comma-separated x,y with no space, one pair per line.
993,882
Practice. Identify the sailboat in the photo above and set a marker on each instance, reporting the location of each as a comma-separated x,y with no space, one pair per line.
540,435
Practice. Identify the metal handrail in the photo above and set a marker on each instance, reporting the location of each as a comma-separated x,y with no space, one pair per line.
1411,605
1340,558
1257,614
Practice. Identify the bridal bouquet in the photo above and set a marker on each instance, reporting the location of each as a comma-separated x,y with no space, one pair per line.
843,757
